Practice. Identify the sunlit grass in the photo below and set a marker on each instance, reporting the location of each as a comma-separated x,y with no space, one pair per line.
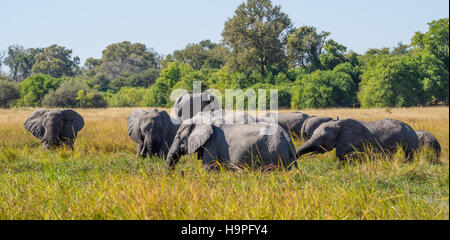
102,178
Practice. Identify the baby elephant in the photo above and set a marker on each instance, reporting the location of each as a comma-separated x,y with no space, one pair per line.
233,145
54,127
350,135
426,139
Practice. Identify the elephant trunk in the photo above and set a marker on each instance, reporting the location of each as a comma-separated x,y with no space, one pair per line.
174,154
306,148
51,137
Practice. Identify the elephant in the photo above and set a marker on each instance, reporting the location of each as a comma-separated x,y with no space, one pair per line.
186,107
350,135
155,130
291,122
311,124
426,139
233,146
152,130
54,128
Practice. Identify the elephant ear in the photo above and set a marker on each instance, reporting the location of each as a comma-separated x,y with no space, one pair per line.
199,133
166,122
74,118
133,123
34,123
73,123
352,135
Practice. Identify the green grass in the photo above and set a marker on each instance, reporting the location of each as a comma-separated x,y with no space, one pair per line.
102,179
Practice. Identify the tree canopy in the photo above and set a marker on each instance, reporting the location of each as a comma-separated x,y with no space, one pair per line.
260,49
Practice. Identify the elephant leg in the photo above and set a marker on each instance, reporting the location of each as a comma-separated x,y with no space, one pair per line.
409,154
209,159
68,143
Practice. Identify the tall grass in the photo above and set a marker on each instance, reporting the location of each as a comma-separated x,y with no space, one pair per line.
102,178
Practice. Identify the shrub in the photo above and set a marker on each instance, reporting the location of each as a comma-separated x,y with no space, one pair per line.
91,99
322,89
284,95
393,81
140,79
8,93
73,94
129,97
159,94
34,88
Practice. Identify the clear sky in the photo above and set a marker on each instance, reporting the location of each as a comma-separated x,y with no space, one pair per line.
88,26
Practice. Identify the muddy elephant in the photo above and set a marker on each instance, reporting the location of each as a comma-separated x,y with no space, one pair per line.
54,128
428,140
233,146
189,104
311,124
350,135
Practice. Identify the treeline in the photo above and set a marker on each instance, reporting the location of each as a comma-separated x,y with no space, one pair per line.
260,49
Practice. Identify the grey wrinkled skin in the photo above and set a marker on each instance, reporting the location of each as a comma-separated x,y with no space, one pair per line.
184,108
426,139
291,122
54,128
311,124
152,130
234,146
350,135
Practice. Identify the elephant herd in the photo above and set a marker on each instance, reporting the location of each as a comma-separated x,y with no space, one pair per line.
246,142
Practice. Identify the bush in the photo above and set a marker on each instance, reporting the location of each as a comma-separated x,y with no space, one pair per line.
322,89
34,88
140,79
129,97
8,93
393,81
159,95
284,95
73,94
91,99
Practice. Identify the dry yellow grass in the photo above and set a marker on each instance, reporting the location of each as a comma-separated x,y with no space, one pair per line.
102,178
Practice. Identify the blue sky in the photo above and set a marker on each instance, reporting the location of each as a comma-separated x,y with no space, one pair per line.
87,27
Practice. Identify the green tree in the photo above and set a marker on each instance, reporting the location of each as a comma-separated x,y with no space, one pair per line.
256,35
353,71
124,57
56,61
323,88
34,88
203,55
8,93
434,77
400,49
159,94
68,95
391,81
333,55
129,97
304,47
139,79
90,99
284,94
435,40
14,60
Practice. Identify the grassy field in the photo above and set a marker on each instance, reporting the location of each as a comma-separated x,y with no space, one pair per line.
102,178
